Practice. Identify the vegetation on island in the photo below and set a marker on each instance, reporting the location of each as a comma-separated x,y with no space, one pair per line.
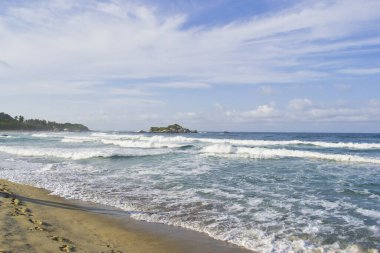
175,128
7,122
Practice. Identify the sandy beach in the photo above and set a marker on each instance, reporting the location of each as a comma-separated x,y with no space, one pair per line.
31,220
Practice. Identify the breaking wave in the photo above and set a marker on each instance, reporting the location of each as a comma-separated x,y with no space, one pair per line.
265,153
76,154
158,141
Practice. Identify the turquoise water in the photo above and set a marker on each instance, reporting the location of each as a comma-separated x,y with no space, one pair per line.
269,192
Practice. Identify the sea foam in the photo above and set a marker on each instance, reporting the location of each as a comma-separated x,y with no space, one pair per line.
237,142
74,154
154,141
265,153
288,205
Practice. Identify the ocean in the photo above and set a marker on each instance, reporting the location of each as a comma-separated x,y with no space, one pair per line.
268,192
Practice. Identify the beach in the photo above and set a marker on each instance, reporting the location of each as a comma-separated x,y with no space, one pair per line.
34,221
190,126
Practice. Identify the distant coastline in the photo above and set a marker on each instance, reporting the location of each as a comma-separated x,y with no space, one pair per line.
19,123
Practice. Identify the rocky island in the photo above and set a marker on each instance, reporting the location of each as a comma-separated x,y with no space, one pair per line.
175,128
7,123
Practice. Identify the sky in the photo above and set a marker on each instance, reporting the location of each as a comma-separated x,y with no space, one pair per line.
217,65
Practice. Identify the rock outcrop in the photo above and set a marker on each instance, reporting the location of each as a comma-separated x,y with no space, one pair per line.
175,128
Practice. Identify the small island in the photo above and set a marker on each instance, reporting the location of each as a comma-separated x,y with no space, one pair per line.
18,123
174,129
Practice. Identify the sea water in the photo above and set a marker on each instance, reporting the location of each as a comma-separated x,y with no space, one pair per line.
268,192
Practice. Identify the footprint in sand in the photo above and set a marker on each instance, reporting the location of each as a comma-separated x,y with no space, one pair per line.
37,222
36,228
60,239
112,250
67,248
38,225
16,202
23,211
18,210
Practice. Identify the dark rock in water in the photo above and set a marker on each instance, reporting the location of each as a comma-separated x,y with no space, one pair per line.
226,132
141,131
5,135
175,128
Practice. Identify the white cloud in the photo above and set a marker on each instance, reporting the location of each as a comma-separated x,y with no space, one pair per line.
303,110
130,103
67,48
124,91
299,103
187,115
181,85
126,40
334,114
361,71
374,103
266,89
261,112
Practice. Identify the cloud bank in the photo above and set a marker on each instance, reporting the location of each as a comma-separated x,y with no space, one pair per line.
75,41
125,48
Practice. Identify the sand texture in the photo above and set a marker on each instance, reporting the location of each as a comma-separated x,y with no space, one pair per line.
31,220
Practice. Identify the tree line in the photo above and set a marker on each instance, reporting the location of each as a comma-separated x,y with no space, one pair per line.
7,122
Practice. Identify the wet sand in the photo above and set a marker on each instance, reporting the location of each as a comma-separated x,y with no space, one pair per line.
31,220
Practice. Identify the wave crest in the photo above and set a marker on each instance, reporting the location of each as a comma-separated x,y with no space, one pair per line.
265,153
75,154
158,141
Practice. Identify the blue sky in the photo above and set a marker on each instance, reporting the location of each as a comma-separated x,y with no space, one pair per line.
249,65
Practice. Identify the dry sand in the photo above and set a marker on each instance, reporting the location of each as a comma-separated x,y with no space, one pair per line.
31,220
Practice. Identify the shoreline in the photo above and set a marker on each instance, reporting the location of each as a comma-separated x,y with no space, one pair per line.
34,221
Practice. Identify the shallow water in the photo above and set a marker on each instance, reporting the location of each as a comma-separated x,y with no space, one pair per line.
269,192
